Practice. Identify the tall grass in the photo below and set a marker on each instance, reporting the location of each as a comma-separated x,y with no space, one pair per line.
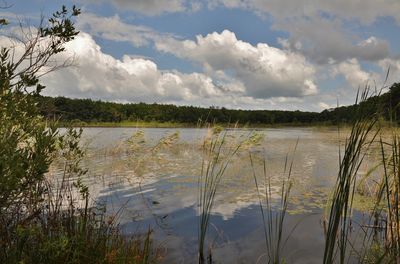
63,225
383,237
392,187
273,217
361,137
218,152
387,216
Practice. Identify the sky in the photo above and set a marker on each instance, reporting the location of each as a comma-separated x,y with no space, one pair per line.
242,54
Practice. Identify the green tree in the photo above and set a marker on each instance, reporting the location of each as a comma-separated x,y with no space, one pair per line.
27,142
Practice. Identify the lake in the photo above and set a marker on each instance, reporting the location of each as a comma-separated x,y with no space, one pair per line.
157,187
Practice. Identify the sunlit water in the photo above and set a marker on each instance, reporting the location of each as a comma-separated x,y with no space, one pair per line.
160,191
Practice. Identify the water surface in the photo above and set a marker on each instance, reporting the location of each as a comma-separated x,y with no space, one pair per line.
159,190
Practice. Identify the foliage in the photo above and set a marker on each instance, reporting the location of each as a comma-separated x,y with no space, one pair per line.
339,222
27,141
66,227
90,111
386,213
42,219
387,105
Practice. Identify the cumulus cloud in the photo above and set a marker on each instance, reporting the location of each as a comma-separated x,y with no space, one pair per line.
259,71
132,79
324,40
235,73
354,75
98,75
317,28
393,65
366,11
113,28
264,70
154,7
323,105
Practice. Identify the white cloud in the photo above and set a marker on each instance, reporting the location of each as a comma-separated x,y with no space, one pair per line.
323,40
354,75
265,71
365,11
98,75
101,76
154,7
393,65
258,71
113,28
261,71
317,28
324,106
235,73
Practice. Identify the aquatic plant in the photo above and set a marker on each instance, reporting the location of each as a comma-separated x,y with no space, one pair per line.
386,213
361,137
274,216
219,148
63,225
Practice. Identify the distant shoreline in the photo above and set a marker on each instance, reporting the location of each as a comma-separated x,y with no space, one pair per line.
187,125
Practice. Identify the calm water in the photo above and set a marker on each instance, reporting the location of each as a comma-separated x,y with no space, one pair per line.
159,189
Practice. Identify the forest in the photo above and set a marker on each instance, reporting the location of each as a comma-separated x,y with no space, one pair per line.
87,110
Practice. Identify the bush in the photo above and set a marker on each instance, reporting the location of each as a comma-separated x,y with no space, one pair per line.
44,221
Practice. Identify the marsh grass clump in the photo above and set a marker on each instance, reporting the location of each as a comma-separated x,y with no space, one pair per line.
273,209
339,223
63,225
387,208
378,236
219,149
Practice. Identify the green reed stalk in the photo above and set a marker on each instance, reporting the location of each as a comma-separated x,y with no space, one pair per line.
390,189
216,158
273,219
339,221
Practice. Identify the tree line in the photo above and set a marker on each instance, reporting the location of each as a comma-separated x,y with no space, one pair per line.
386,105
87,110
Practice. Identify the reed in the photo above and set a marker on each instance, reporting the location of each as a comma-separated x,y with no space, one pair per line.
274,216
388,216
218,153
361,137
63,224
